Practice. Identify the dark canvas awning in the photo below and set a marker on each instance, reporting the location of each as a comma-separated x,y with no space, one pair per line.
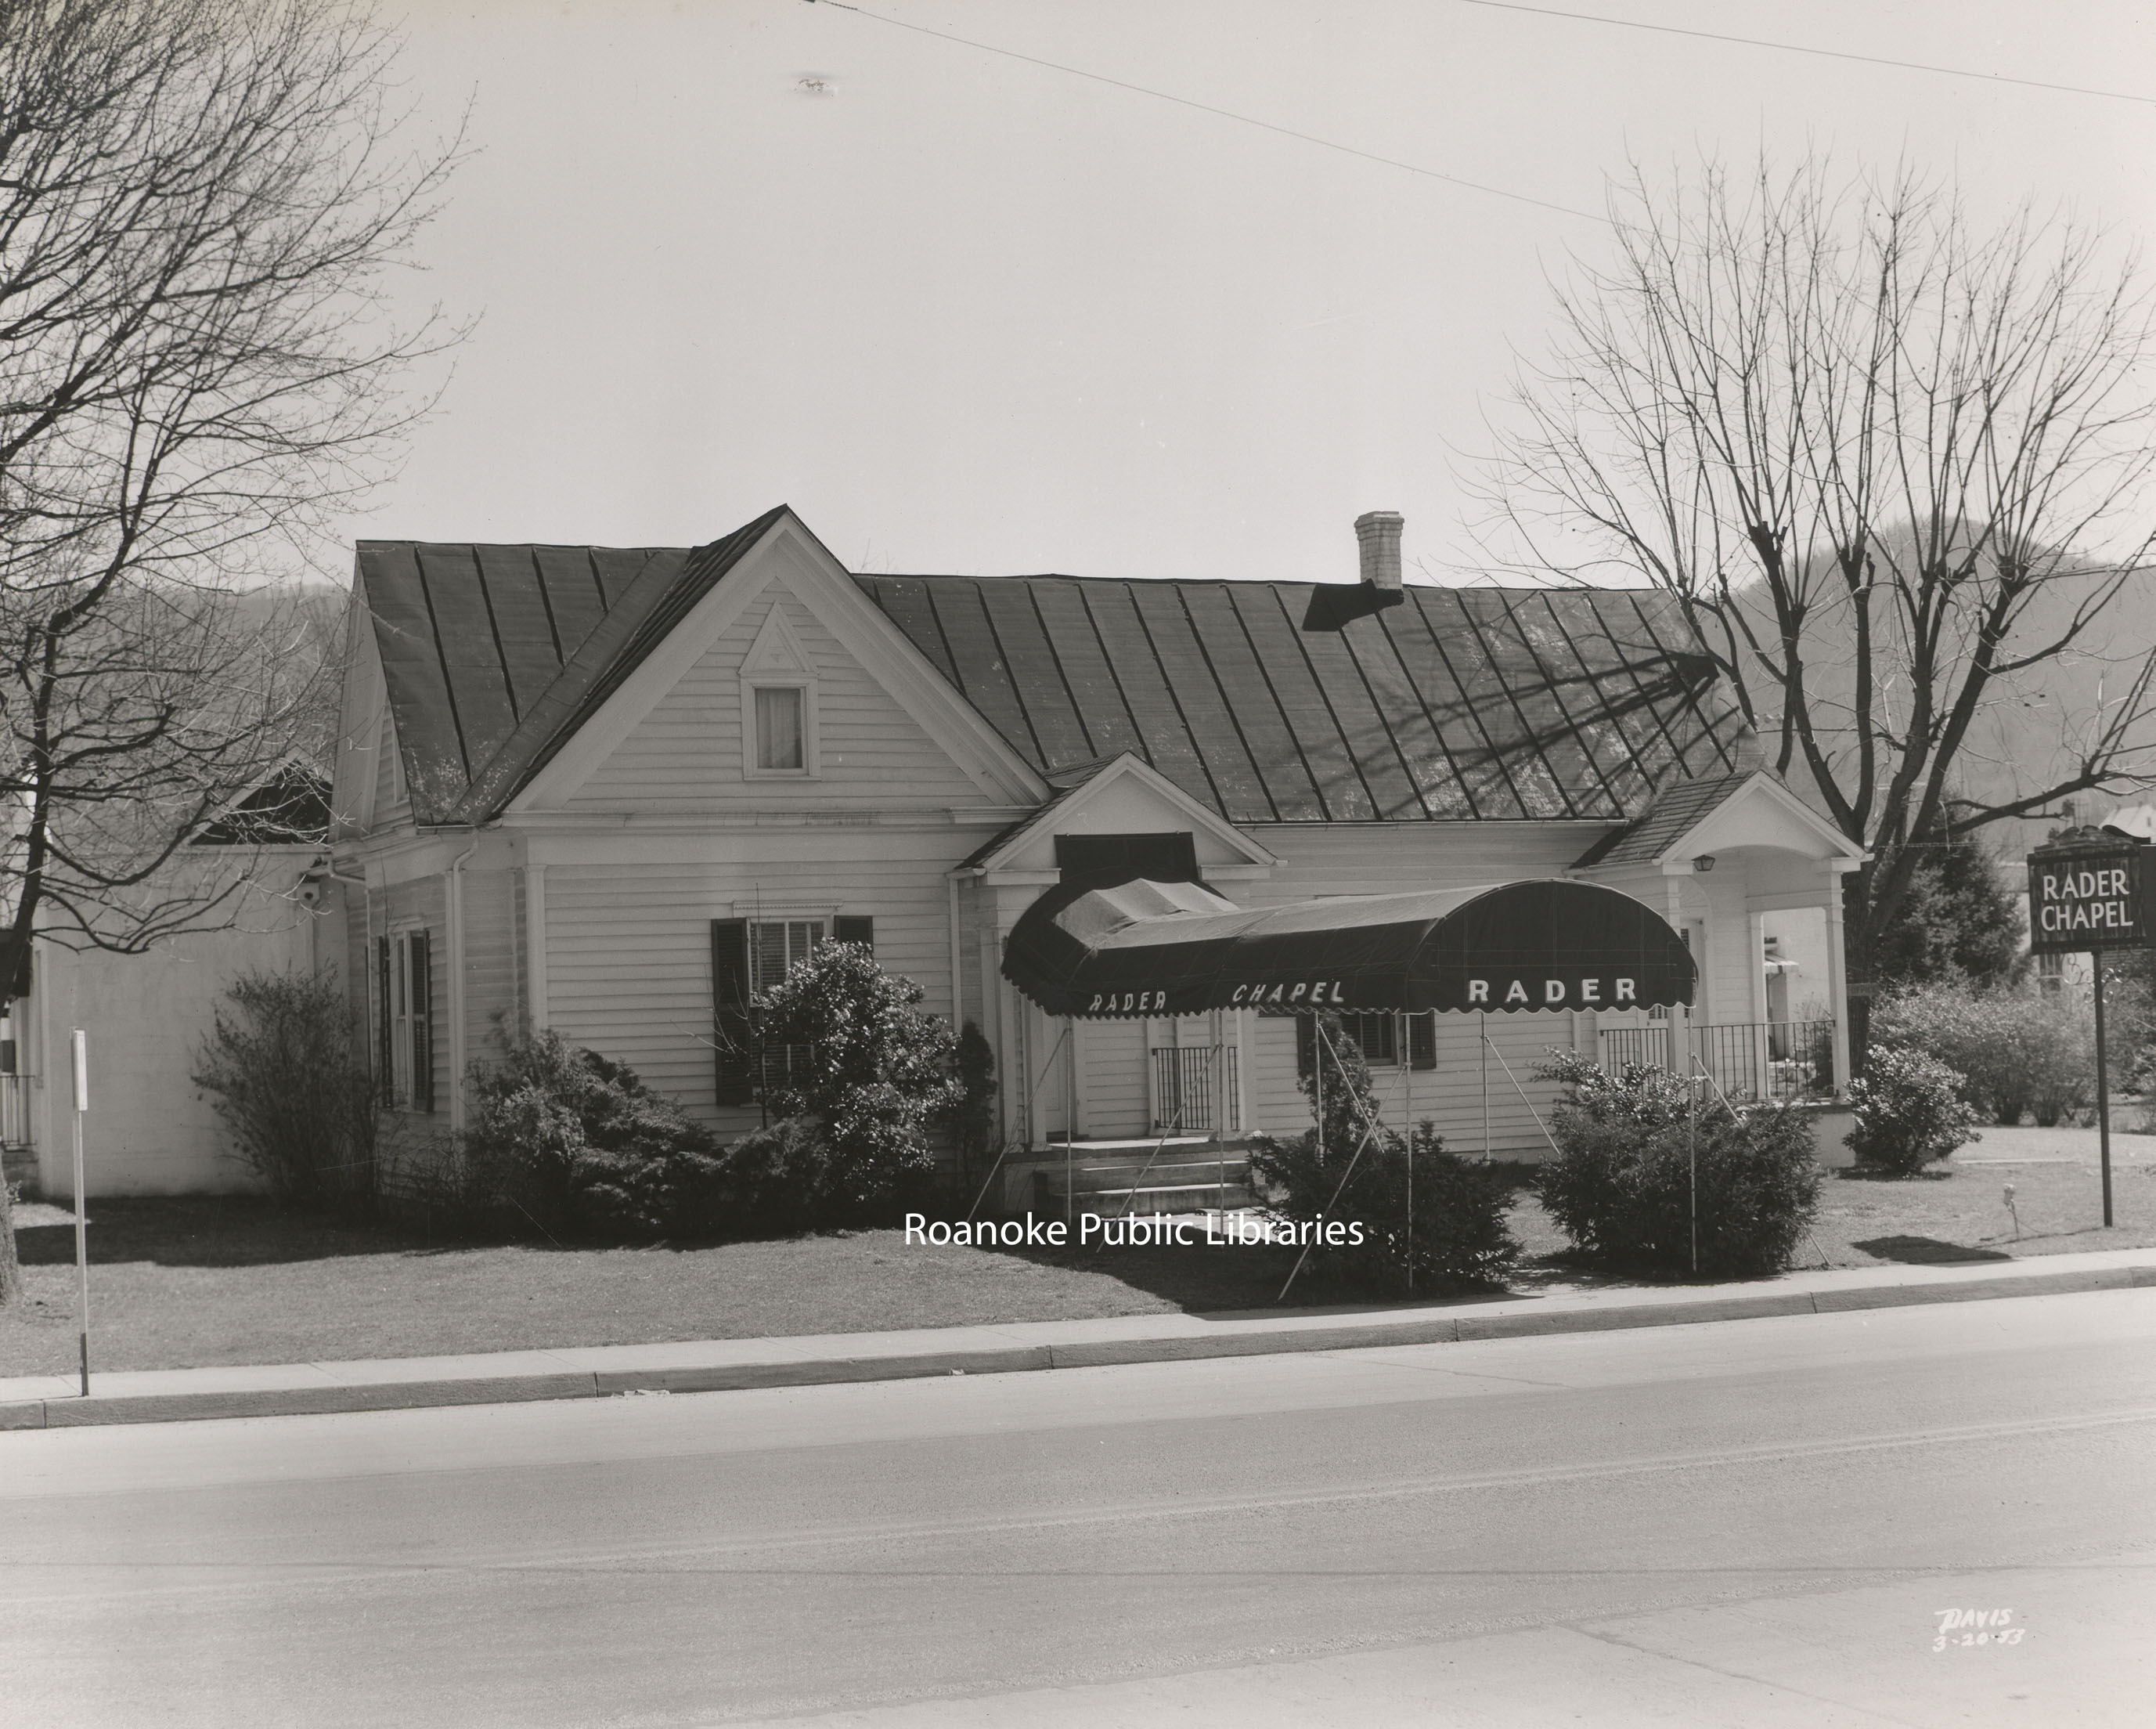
1095,948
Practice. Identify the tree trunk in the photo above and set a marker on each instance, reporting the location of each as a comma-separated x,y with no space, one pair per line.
11,1265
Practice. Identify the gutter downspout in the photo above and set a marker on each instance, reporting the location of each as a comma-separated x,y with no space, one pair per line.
958,974
367,962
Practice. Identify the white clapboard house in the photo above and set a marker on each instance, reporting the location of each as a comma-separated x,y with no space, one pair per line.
615,792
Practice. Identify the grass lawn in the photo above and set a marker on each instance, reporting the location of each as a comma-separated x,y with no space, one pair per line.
1956,1212
235,1279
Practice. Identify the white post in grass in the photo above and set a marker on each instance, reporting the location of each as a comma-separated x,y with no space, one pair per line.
80,1049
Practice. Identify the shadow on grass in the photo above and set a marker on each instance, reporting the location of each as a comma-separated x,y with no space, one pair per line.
1874,1174
1225,1280
217,1231
1925,1251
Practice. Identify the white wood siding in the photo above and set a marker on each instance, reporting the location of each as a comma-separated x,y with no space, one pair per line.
686,756
491,961
628,945
392,807
1112,1066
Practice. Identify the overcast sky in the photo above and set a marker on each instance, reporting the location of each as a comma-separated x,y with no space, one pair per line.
970,313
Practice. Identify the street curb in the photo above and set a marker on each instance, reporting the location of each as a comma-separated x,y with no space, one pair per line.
814,1372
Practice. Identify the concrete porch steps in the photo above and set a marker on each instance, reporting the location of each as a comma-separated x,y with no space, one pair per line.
1184,1174
1137,1202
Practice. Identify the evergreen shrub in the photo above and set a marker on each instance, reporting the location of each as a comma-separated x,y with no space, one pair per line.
282,1065
573,1144
870,1076
1459,1235
1635,1147
1910,1112
2015,1050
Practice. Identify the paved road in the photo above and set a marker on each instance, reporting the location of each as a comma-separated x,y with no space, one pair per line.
1752,1522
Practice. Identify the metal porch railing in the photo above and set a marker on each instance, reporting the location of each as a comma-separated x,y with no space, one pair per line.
1183,1094
1761,1059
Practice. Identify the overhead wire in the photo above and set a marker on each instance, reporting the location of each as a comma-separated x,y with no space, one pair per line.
1512,6
1333,144
1798,48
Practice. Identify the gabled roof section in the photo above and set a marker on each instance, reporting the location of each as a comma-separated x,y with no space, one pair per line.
1680,809
1462,704
291,808
1075,791
1771,816
494,656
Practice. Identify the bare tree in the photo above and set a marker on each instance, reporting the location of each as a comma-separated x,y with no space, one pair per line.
1894,470
201,202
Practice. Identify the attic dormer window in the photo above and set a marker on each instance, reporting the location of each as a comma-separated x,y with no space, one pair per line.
779,738
778,703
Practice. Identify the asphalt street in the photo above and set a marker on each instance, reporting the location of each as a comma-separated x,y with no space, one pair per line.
1759,1522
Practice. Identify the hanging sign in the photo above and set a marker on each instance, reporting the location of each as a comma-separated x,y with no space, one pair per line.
2087,893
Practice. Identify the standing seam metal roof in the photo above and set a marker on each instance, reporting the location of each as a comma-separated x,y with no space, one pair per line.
1461,704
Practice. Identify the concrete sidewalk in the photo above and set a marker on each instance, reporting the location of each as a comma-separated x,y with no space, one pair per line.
731,1365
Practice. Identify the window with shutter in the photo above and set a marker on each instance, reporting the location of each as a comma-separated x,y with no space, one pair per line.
423,1024
407,1047
1376,1036
385,1025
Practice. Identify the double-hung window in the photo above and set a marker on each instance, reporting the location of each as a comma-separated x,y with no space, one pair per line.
1377,1034
781,735
776,946
750,956
404,1060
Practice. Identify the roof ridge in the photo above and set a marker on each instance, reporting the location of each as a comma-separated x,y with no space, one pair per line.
525,546
653,603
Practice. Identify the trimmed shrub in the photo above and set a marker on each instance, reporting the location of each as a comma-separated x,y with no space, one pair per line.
2013,1050
282,1067
578,1147
973,1122
868,1070
1909,1112
775,1180
1459,1234
1635,1147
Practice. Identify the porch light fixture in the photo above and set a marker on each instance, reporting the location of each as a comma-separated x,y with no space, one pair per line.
1703,863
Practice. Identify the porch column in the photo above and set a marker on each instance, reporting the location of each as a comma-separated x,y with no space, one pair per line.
1680,1052
1074,1076
1837,978
1762,1055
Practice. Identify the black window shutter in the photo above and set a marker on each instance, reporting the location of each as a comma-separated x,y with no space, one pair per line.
385,1061
423,1025
1422,1040
730,1024
854,930
1305,1045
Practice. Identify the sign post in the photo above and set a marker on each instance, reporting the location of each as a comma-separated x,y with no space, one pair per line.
80,1049
2085,896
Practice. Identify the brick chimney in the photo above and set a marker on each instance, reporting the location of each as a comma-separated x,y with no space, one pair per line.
1377,532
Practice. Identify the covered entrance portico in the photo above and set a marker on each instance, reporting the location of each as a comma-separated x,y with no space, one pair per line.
1108,946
